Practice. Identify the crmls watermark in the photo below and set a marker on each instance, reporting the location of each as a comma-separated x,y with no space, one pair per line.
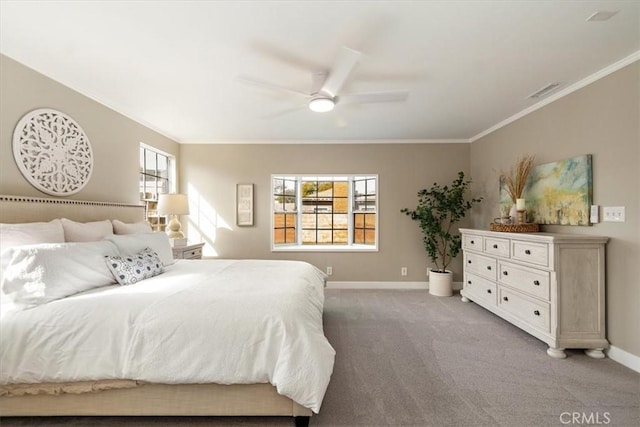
585,418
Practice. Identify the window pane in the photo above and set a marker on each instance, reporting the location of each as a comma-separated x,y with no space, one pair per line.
163,186
309,189
278,235
290,204
360,187
163,166
340,204
324,237
289,187
291,220
340,236
290,235
371,186
358,236
278,186
370,221
278,220
150,163
325,221
325,189
359,220
278,206
308,236
340,221
308,220
141,187
150,187
341,189
370,237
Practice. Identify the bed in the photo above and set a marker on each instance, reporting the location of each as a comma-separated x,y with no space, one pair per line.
274,359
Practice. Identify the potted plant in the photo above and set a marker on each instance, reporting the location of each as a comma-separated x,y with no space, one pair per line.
439,208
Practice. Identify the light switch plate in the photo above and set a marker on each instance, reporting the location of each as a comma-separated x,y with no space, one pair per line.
613,214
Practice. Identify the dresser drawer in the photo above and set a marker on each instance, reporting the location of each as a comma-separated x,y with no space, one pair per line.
533,312
499,247
473,242
481,265
528,280
478,288
534,253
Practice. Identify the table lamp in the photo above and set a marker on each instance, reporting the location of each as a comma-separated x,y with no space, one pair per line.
174,205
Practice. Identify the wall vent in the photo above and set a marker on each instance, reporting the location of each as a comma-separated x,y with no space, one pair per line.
601,15
544,91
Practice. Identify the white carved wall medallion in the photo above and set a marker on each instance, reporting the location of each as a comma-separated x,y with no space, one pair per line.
52,152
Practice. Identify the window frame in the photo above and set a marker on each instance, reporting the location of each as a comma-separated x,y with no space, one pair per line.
151,203
351,211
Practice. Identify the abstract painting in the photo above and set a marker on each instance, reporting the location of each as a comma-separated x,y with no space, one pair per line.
557,193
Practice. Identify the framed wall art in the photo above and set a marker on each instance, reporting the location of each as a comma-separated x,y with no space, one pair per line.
244,205
558,193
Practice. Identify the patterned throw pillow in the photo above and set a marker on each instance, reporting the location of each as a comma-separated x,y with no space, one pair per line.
131,269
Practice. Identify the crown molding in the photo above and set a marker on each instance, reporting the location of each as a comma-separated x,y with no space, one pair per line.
329,141
561,94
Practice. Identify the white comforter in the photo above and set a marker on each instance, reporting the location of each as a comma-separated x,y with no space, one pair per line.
206,321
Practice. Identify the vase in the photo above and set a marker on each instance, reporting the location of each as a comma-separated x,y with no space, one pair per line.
441,284
513,214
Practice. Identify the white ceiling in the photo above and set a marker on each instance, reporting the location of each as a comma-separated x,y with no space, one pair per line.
172,65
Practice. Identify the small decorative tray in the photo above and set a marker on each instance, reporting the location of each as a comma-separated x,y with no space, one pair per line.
515,228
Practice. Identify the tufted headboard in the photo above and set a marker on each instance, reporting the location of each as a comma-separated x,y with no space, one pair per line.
20,209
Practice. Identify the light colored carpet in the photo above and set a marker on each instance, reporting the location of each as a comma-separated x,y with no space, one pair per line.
406,358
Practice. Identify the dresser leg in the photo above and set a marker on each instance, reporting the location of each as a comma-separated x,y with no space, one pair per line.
556,353
596,353
465,299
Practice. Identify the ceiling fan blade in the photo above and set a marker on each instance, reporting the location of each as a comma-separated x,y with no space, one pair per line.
284,112
373,97
269,86
347,60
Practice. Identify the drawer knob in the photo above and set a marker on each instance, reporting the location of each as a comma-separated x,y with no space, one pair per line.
527,251
468,282
536,282
473,242
488,291
506,273
536,312
505,298
469,262
488,267
495,246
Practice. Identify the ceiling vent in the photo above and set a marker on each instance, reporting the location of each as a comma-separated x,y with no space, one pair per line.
544,91
601,15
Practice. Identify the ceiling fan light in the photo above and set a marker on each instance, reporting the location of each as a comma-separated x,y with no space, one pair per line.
321,105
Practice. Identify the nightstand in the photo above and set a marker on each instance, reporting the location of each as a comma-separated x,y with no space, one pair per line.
193,251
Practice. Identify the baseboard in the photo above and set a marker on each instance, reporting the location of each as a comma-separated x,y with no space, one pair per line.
384,285
625,358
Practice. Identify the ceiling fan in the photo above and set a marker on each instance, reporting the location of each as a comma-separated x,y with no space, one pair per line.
326,86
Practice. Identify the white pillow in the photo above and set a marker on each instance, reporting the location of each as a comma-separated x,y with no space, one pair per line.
31,233
86,231
131,244
120,227
37,274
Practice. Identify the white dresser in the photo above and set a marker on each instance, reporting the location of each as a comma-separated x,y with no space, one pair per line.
550,285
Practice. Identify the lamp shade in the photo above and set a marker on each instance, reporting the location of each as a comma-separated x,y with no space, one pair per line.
173,204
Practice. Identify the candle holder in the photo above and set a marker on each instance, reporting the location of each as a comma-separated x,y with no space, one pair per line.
522,217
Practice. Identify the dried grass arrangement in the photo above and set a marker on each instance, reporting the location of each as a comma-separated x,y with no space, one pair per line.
516,179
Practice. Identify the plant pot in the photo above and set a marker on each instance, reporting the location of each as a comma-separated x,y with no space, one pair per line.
441,284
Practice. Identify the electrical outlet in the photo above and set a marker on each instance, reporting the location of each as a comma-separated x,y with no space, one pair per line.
403,271
329,271
613,214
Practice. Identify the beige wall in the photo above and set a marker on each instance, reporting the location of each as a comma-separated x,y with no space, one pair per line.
601,119
114,138
210,173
